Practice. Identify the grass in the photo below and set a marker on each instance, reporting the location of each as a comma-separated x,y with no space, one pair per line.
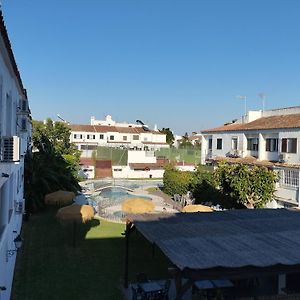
49,267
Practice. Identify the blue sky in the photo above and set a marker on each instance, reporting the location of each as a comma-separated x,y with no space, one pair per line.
177,64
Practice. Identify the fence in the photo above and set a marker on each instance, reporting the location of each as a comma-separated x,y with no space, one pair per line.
183,155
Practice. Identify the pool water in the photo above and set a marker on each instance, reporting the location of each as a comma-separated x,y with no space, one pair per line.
113,196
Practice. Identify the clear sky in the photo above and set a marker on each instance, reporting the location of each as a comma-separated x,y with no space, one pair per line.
178,64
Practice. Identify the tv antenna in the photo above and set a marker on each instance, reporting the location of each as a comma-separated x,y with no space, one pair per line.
262,96
62,119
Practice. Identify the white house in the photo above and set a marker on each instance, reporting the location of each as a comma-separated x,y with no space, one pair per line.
15,138
270,138
109,133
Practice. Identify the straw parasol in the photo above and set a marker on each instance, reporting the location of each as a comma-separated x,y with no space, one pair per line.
138,206
74,214
59,198
197,208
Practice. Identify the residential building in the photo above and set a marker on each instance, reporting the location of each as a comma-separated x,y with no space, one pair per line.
270,138
109,133
15,139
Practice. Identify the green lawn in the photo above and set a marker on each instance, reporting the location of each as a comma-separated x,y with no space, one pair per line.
49,267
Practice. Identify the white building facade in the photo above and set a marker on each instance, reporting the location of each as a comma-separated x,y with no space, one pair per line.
15,138
109,133
270,138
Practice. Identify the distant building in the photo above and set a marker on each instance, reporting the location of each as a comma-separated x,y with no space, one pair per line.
109,133
15,139
270,138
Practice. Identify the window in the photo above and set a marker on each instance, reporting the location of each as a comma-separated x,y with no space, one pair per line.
219,144
209,144
111,137
289,177
101,136
252,144
91,136
77,136
234,143
289,145
124,138
136,137
272,145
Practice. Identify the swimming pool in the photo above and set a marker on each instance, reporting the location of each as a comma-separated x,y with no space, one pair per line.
113,196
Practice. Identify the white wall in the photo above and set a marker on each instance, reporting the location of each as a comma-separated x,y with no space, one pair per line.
135,156
11,187
127,172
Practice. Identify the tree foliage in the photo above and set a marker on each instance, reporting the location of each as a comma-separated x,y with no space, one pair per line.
185,142
176,182
250,186
52,166
231,186
169,135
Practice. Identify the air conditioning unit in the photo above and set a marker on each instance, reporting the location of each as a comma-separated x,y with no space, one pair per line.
282,157
10,148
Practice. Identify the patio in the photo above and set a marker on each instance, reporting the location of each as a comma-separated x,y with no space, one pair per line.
239,245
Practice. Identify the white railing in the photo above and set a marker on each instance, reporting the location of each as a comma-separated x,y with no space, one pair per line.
289,177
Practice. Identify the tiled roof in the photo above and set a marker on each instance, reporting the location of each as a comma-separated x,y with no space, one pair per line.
105,128
147,165
154,143
4,34
118,142
86,161
253,161
274,122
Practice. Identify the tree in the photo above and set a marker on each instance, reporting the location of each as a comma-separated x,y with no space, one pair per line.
249,186
58,134
52,166
185,142
175,181
169,135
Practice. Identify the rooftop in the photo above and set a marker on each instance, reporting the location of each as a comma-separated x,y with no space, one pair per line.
210,245
264,123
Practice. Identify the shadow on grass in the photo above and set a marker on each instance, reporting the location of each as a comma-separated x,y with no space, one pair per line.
49,267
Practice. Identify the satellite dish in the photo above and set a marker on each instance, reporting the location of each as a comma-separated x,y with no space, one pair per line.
140,122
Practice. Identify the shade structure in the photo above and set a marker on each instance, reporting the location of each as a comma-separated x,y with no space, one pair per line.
59,198
138,206
75,213
197,208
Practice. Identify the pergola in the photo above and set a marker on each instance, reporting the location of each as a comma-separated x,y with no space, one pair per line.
230,244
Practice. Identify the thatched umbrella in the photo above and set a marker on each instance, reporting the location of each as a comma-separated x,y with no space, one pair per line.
138,206
59,198
197,208
74,214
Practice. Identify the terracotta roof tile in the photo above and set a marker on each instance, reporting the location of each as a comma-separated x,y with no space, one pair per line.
253,161
147,165
273,122
105,128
